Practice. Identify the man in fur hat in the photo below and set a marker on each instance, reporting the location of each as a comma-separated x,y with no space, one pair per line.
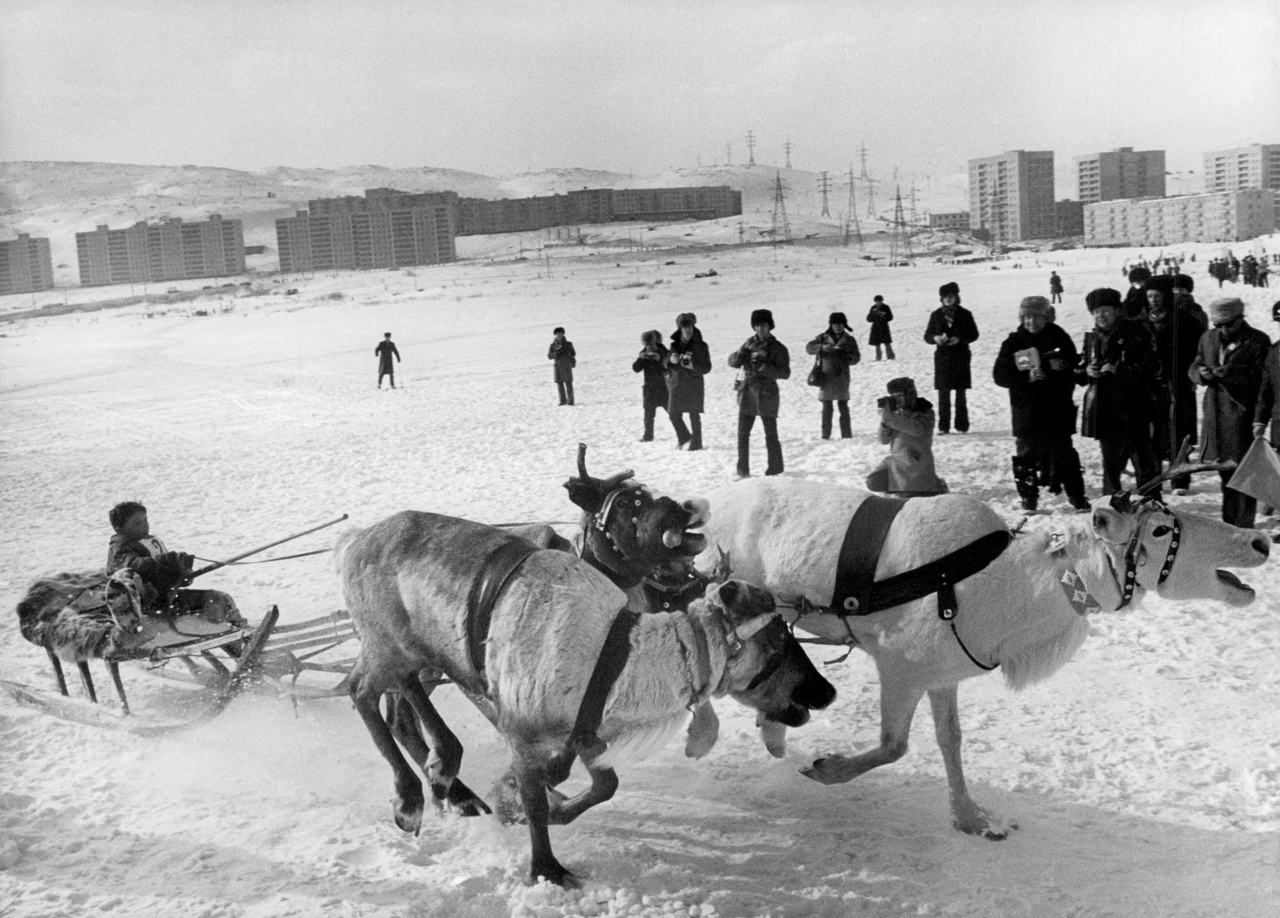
762,360
1037,365
951,330
835,351
1135,298
1177,336
687,363
651,362
1229,364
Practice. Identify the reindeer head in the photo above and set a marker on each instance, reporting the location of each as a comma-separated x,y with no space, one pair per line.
1178,555
767,668
633,530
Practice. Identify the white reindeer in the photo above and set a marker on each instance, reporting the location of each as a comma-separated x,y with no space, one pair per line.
1025,613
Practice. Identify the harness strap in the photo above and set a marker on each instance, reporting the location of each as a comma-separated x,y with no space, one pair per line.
933,576
494,574
948,608
859,552
613,658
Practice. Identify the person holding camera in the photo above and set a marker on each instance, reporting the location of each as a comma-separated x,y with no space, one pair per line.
763,360
687,362
951,330
1037,365
836,350
906,424
566,358
652,363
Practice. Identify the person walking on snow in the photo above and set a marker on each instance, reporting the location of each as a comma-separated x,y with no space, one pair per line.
385,350
1055,288
566,358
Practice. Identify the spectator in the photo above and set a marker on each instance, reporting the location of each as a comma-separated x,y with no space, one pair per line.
880,316
652,362
162,572
951,330
1055,288
1229,364
763,360
566,358
836,350
1267,411
688,361
1037,365
1184,286
1176,331
1135,298
385,350
906,424
1118,364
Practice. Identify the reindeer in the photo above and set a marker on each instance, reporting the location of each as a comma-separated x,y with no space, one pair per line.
541,643
1026,612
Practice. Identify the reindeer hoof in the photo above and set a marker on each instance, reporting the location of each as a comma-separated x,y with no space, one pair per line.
822,771
557,874
408,819
981,823
464,802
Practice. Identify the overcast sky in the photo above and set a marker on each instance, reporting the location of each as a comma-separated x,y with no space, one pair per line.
633,86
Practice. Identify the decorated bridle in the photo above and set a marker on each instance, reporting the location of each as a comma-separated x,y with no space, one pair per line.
1147,504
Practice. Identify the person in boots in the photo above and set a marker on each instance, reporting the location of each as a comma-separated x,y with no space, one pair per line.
880,315
906,425
652,363
385,350
566,358
762,360
1036,364
835,350
951,330
688,361
1229,364
1177,333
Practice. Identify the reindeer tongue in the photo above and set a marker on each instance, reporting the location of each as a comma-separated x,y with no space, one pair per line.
672,538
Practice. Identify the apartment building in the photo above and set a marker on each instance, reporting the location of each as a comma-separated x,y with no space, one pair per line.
1256,166
1011,195
1121,173
26,265
169,250
1226,216
955,222
384,229
596,205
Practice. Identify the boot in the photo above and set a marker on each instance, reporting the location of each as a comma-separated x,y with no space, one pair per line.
1072,476
1024,478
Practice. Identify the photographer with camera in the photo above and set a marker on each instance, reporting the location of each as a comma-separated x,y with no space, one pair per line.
835,350
687,362
763,360
652,363
906,424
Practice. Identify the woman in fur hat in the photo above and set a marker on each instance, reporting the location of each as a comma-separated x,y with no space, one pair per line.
835,351
763,360
651,362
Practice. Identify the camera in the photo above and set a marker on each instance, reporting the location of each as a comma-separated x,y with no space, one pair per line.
886,402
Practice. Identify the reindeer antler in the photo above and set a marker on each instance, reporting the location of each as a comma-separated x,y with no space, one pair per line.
1180,466
607,484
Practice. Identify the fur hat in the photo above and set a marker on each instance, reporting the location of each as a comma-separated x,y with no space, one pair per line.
837,318
1103,296
901,384
1275,311
558,330
1162,282
762,317
686,318
1033,306
652,336
877,299
1139,275
1184,282
1225,309
948,289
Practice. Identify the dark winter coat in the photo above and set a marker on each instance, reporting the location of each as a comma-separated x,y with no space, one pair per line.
566,359
1119,405
762,363
838,353
1135,303
1044,407
652,363
1267,410
910,437
1176,402
687,362
159,569
1230,401
1055,284
385,350
880,316
951,361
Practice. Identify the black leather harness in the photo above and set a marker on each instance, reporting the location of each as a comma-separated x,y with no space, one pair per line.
495,571
857,592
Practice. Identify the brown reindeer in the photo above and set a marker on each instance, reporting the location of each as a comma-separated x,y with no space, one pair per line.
540,642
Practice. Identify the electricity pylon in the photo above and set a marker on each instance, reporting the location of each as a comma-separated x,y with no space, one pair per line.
824,185
751,148
781,227
900,237
787,147
851,222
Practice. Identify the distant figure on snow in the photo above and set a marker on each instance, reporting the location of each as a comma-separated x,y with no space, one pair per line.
835,351
1055,288
880,316
385,350
566,358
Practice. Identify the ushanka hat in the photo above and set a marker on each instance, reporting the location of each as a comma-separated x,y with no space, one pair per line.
1103,296
948,289
901,384
1139,275
1184,282
762,317
837,318
1034,306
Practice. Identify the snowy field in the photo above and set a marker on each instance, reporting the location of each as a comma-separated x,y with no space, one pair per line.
1145,777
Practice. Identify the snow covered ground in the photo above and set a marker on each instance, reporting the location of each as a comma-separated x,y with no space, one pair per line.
1145,776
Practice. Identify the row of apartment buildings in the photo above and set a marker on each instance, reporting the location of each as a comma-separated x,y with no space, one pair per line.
164,251
25,265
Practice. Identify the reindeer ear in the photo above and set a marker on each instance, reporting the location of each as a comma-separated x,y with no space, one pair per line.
1107,522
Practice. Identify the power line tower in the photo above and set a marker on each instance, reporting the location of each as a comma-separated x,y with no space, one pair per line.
787,147
824,185
781,226
900,237
871,183
851,221
751,148
728,154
